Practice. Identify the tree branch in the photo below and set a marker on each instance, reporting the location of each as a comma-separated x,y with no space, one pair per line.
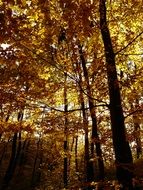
131,113
133,40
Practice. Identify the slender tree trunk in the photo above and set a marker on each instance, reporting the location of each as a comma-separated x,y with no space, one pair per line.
88,166
35,163
23,156
137,137
17,153
9,171
76,154
95,144
40,163
65,171
3,151
137,134
71,150
21,159
124,161
72,144
0,136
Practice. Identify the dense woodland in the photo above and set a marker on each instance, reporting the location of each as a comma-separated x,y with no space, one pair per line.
71,94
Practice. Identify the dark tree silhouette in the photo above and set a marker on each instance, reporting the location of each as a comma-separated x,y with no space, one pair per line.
124,161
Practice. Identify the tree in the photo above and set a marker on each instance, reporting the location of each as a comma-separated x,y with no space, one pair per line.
65,170
124,161
95,141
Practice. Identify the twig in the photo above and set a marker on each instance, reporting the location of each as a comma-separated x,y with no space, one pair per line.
134,39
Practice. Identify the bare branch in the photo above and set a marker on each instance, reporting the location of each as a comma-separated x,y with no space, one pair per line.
133,112
133,40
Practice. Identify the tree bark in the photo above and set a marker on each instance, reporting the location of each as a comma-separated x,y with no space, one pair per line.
124,161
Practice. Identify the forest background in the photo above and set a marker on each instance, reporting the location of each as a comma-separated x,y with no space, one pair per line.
71,98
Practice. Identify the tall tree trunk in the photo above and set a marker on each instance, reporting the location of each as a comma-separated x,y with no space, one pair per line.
9,171
5,145
33,181
23,156
17,153
65,171
71,150
95,144
137,134
76,154
124,161
23,152
39,172
88,166
13,160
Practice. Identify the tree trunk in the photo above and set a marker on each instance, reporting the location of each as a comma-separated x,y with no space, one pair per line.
9,172
65,172
71,150
95,137
76,154
23,156
17,153
124,161
23,152
33,181
88,166
5,145
137,135
13,160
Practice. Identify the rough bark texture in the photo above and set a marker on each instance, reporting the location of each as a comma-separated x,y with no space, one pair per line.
124,162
